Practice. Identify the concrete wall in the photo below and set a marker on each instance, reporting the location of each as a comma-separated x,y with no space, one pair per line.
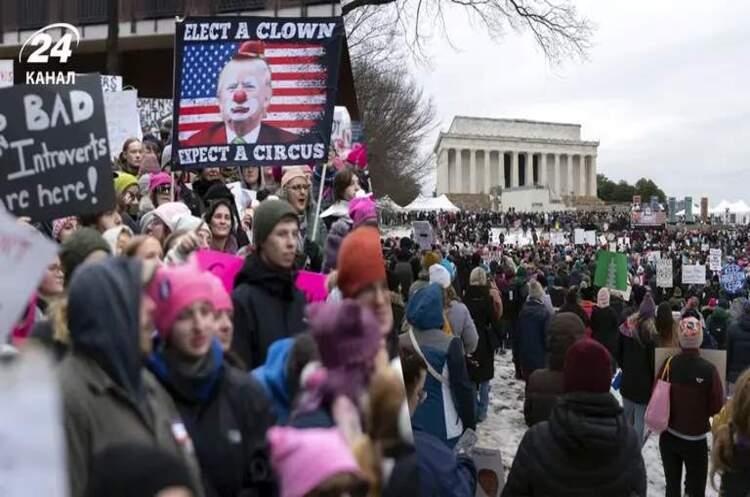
527,200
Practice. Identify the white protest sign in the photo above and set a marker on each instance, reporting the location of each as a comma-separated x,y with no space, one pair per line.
6,73
32,461
557,238
602,240
654,256
589,238
423,234
664,278
579,236
243,197
714,259
24,257
704,247
612,247
693,274
341,131
490,472
123,121
111,82
495,235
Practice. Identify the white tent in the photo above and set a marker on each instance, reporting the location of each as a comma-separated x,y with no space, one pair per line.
386,203
739,207
422,203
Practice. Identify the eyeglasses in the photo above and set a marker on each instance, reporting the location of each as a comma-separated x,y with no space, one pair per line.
129,196
163,189
299,188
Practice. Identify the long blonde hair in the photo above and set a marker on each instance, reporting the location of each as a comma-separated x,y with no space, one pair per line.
738,425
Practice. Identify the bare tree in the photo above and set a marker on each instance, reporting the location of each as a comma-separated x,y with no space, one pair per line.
396,118
558,29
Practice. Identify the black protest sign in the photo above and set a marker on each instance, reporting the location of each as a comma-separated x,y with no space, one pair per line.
54,154
254,90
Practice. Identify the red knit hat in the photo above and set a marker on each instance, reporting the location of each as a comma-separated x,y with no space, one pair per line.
360,261
588,367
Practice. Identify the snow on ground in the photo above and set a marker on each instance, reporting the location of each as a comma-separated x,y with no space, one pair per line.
505,426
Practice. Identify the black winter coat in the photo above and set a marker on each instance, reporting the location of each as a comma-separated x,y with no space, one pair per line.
587,448
738,348
635,355
482,366
267,307
604,325
543,388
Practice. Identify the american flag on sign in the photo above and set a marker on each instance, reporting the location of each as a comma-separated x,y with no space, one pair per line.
298,82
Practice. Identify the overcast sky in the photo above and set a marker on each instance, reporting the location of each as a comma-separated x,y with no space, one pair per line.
666,90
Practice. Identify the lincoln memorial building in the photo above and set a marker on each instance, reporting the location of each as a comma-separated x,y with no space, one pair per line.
477,154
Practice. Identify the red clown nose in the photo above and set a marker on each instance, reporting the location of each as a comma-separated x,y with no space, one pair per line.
239,96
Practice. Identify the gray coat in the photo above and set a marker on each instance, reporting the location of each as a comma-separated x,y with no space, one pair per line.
463,326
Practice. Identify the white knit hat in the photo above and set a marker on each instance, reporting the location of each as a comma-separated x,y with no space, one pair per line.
440,275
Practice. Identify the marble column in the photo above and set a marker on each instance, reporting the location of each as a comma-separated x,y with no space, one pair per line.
569,189
501,166
592,185
443,183
529,169
458,184
514,169
472,171
543,169
487,171
582,175
556,171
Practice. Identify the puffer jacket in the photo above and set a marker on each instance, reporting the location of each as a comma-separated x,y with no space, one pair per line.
635,355
532,331
738,347
586,449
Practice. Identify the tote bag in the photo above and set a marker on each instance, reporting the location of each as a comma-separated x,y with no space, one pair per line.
657,411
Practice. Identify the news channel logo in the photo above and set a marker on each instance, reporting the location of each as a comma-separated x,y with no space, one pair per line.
41,49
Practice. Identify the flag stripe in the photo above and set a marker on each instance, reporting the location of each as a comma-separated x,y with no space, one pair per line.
214,109
301,76
293,59
296,68
184,135
203,120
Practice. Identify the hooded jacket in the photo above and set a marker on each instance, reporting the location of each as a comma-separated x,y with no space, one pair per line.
227,417
272,376
587,448
604,324
267,307
479,303
635,355
108,397
450,405
738,347
532,330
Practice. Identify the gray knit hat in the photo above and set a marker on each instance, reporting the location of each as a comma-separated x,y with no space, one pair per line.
268,214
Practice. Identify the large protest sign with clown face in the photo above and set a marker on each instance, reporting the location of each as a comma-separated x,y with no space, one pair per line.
255,91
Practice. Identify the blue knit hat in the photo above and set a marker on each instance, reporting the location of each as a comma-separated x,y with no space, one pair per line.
425,309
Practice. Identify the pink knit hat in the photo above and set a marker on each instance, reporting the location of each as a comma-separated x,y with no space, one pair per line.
362,209
59,224
173,289
158,180
295,172
358,156
303,459
220,298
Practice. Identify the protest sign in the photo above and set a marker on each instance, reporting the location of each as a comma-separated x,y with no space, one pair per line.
341,133
589,238
243,197
32,462
24,256
602,240
557,238
54,153
313,285
612,247
495,235
110,83
121,108
254,90
714,259
6,73
490,471
693,274
664,277
704,247
716,357
732,279
653,256
579,236
225,266
423,234
152,111
611,270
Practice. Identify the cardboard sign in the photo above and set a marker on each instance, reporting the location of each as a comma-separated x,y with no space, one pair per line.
590,238
32,462
557,238
313,285
6,73
716,357
24,256
225,266
714,259
733,279
423,234
341,133
54,151
121,108
693,274
152,111
225,112
579,236
664,277
243,197
490,472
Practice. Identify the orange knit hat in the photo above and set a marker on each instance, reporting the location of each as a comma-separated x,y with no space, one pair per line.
360,261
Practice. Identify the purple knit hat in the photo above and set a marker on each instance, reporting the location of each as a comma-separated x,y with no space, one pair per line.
648,307
347,333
